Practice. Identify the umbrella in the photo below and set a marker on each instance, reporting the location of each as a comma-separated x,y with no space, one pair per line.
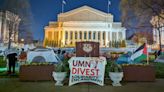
11,51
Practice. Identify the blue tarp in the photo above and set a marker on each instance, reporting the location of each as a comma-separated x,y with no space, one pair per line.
124,59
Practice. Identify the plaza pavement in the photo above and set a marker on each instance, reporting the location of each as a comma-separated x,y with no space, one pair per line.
14,85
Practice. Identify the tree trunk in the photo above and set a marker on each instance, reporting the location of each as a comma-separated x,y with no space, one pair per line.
160,40
11,25
158,28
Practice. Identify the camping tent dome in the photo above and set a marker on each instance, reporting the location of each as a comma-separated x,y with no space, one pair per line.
42,55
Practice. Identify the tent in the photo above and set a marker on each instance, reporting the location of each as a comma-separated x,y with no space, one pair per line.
2,50
160,59
124,59
42,55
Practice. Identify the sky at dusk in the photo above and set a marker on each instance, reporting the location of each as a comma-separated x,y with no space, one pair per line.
46,10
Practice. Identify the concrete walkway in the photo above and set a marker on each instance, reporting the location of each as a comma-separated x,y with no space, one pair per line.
14,85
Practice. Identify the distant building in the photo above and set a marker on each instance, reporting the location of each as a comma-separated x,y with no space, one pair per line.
8,19
158,22
83,24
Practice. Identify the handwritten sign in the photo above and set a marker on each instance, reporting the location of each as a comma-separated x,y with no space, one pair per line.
87,69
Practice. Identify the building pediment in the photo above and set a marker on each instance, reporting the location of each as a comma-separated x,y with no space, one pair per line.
85,13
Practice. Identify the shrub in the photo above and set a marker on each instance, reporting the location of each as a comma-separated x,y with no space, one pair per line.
159,69
62,66
2,62
115,67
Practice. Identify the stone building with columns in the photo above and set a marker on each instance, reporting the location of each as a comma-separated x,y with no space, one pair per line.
83,24
158,26
9,23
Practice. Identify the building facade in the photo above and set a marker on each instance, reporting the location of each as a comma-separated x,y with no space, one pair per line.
83,24
158,25
9,23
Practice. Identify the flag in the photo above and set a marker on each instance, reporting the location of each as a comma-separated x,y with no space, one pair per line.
109,2
140,54
64,2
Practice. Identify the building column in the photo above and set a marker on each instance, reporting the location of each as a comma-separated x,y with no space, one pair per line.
117,36
82,36
96,36
87,35
111,39
78,35
68,40
106,39
73,38
63,38
101,38
92,36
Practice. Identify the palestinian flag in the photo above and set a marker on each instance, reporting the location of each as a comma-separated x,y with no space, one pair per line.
140,54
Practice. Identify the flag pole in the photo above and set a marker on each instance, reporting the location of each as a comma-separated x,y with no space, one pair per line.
108,6
62,6
107,19
109,3
147,52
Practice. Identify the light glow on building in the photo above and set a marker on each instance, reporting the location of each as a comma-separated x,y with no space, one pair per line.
83,24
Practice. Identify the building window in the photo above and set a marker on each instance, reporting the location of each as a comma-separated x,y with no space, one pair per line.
66,35
75,35
85,35
94,35
71,36
99,35
103,35
90,35
80,35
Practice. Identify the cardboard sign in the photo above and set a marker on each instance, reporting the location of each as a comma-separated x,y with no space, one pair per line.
87,69
87,49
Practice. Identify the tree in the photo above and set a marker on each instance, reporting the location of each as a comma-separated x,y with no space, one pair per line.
136,14
21,8
13,22
158,23
139,36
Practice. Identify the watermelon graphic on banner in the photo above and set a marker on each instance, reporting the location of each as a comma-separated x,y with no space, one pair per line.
140,54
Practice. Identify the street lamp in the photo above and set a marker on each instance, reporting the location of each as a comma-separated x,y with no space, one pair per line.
22,40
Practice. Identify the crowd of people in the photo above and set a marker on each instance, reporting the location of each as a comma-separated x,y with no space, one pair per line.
63,54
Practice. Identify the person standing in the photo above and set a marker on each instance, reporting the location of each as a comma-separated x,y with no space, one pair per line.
12,58
22,57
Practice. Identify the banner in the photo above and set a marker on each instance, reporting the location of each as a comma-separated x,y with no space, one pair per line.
87,69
